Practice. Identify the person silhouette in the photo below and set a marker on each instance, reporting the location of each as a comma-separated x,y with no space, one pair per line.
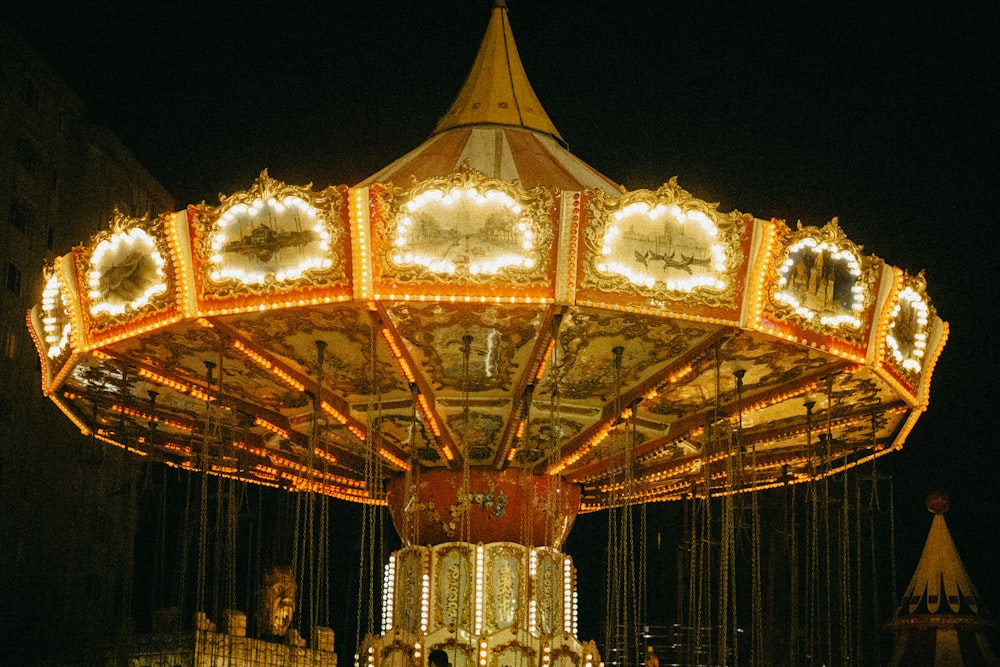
438,658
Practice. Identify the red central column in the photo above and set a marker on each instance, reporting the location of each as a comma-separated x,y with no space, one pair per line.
438,506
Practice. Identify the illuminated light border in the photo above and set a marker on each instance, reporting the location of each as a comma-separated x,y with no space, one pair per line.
306,471
318,261
533,602
266,364
257,451
654,214
526,279
778,316
425,602
361,241
180,247
492,298
913,292
183,450
95,327
324,455
767,255
132,450
397,354
71,414
838,253
620,288
471,195
325,278
393,459
428,414
592,442
273,428
134,241
151,417
56,340
544,360
569,593
180,387
51,378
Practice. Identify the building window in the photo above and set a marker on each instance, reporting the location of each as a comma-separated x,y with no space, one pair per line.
22,215
29,94
27,155
13,279
8,342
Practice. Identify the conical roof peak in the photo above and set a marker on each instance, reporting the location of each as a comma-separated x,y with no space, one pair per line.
940,622
497,90
940,584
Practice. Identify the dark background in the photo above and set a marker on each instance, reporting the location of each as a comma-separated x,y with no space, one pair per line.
881,113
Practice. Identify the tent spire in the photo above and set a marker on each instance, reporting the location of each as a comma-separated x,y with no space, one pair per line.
497,90
940,622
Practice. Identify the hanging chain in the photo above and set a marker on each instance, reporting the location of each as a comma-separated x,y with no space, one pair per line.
858,608
464,500
874,510
757,623
845,571
793,571
812,548
827,562
716,435
892,540
555,430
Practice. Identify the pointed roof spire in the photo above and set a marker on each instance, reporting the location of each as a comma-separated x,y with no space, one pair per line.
940,584
497,91
939,622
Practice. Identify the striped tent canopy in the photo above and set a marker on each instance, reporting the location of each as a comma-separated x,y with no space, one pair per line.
940,620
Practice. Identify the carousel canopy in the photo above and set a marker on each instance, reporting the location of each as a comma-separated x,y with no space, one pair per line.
487,301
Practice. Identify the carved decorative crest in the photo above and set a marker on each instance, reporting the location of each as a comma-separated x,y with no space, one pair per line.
663,245
909,326
272,237
125,270
823,281
466,229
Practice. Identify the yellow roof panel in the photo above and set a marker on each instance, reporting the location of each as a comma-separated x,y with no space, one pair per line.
497,90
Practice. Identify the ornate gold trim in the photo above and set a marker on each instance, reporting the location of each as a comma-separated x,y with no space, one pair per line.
461,250
130,271
908,327
264,237
795,289
662,260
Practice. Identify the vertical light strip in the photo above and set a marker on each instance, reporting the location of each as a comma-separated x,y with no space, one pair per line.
533,602
388,594
567,598
361,237
425,604
478,629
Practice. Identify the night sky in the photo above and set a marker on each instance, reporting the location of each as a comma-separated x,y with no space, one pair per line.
883,114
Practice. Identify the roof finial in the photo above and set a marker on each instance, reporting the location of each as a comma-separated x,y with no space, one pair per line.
938,502
499,4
